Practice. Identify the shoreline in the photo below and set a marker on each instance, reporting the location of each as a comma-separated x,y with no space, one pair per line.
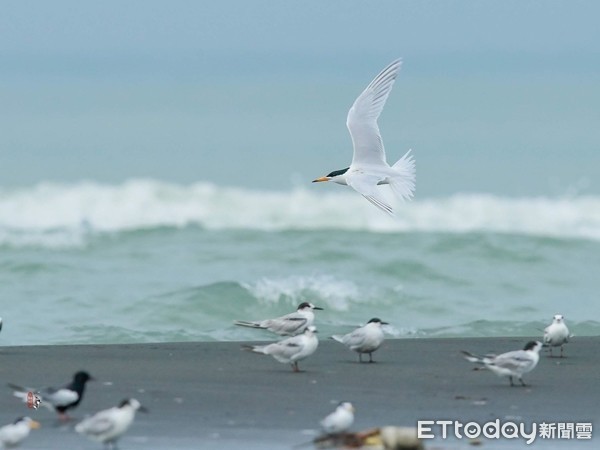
214,395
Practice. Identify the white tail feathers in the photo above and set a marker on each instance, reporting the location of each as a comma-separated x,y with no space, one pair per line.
255,348
472,358
19,391
335,337
21,395
403,184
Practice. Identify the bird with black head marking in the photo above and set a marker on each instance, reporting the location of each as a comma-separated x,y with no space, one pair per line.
57,399
290,350
13,434
288,325
108,425
510,364
365,339
369,167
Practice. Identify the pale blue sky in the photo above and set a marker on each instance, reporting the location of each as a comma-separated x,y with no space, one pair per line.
190,90
149,27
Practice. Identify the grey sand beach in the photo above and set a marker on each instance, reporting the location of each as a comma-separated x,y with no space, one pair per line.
214,395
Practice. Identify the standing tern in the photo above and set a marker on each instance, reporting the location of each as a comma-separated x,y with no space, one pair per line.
108,425
58,399
556,334
369,167
290,350
339,420
365,339
288,325
13,434
510,364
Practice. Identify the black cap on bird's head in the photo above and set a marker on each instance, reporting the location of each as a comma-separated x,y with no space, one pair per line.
136,405
304,305
331,175
531,345
346,405
335,173
377,320
82,377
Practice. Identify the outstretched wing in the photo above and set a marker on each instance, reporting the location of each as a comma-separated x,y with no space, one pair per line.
366,185
363,115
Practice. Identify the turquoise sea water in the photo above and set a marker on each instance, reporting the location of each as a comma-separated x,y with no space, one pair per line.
143,207
149,261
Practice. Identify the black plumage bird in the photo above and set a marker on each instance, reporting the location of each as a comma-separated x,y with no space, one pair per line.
58,399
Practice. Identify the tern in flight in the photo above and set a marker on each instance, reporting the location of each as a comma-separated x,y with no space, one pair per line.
369,167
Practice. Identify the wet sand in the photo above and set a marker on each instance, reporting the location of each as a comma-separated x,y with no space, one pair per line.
214,395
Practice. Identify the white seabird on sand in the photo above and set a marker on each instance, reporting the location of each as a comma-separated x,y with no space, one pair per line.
288,325
365,339
510,364
339,420
290,350
13,434
369,167
108,425
556,334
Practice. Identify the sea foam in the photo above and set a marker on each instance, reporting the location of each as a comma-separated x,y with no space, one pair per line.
57,214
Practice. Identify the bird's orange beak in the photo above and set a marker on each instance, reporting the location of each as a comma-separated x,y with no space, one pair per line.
318,180
34,424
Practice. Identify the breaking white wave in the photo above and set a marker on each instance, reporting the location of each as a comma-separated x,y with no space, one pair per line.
335,294
54,214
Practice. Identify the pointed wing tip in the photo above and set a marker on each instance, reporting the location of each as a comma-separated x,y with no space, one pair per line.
394,66
380,204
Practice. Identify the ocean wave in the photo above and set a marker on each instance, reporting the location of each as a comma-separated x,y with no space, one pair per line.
328,291
55,214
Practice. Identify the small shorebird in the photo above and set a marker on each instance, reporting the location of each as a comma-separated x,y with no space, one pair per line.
365,339
288,325
58,399
369,167
556,334
290,350
108,425
339,420
13,434
510,364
